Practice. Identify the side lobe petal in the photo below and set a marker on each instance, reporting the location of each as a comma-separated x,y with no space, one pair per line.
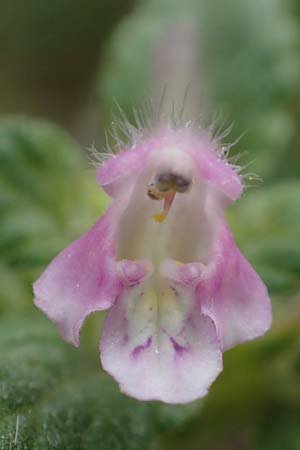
233,295
80,280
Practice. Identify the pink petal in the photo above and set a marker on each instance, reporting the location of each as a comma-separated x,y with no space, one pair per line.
217,172
123,168
120,169
131,273
80,280
211,168
165,350
233,295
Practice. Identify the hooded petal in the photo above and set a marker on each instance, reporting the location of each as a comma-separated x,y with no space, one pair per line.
158,344
81,279
232,293
116,172
217,172
210,164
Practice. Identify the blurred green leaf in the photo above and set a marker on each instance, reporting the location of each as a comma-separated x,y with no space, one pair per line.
266,226
249,66
48,197
255,402
54,397
49,53
279,429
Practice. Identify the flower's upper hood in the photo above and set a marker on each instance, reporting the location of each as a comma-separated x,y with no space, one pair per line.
208,160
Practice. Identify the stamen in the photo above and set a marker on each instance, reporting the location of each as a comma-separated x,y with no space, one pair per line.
164,188
166,182
169,197
154,193
169,200
159,218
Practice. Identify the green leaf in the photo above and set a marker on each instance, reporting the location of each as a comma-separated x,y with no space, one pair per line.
48,198
249,67
266,226
279,429
255,402
53,397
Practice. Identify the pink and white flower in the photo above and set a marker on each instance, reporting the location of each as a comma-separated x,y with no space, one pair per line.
164,261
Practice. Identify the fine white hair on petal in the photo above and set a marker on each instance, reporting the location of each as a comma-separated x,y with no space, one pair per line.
149,119
96,157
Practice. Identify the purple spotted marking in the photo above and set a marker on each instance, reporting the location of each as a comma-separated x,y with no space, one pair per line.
125,339
179,349
137,350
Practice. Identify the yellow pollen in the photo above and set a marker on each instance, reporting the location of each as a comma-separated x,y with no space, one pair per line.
159,217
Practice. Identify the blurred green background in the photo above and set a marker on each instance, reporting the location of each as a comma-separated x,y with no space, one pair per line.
63,64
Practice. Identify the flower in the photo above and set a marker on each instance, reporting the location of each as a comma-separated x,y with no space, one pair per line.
164,261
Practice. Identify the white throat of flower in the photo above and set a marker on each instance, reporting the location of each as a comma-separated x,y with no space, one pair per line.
165,217
164,220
